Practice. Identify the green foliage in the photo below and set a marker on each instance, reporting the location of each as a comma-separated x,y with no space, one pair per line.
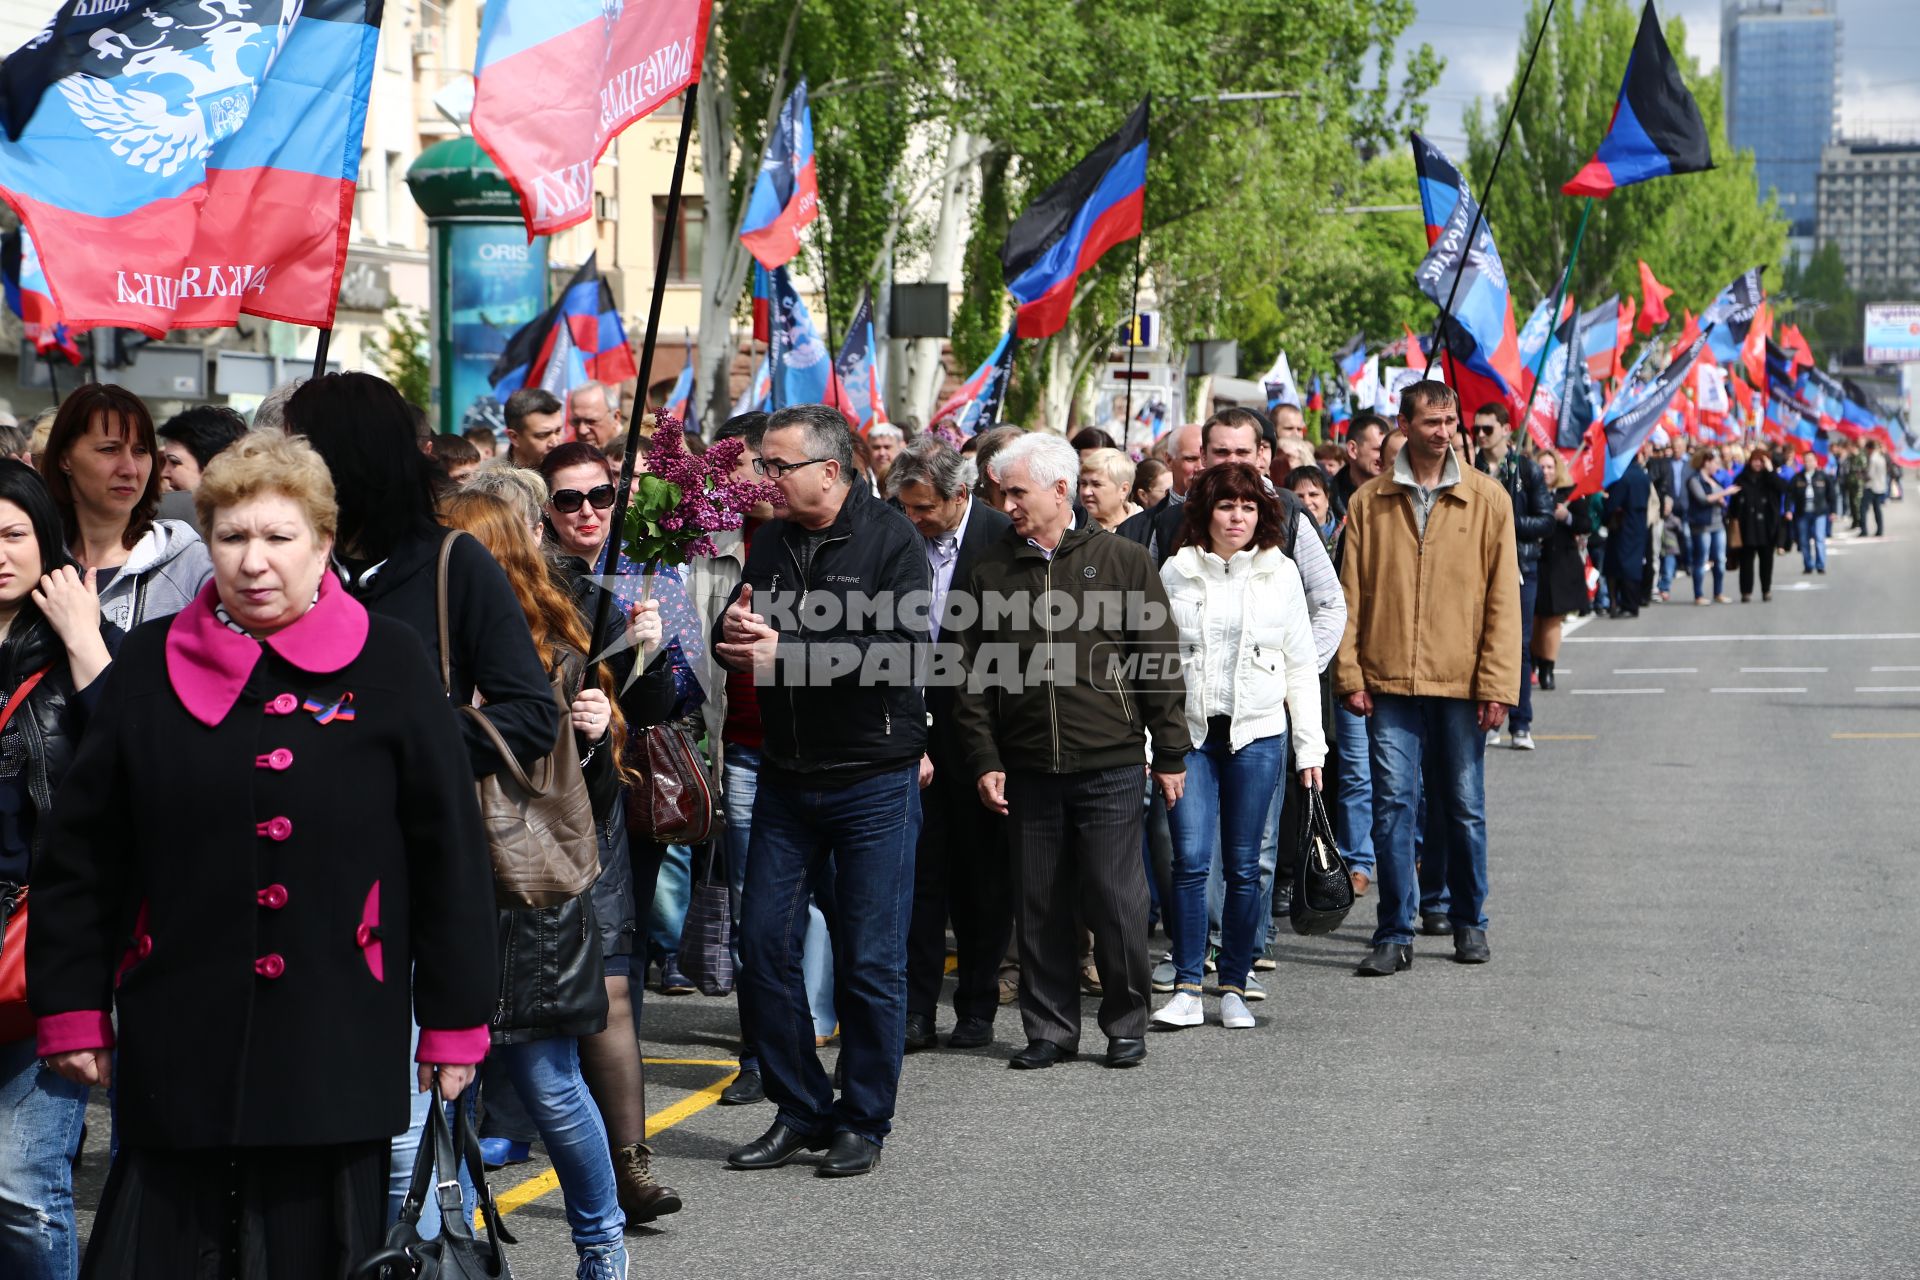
646,540
404,354
1696,231
1828,311
983,312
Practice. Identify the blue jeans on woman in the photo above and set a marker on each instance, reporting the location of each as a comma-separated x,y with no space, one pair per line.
1227,797
1812,532
1709,543
546,1075
41,1115
742,783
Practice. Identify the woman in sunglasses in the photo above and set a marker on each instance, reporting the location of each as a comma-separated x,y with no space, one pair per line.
579,512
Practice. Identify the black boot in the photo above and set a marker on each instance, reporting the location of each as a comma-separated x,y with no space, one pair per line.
1545,667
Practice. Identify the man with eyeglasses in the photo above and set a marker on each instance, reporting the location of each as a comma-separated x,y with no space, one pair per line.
593,411
1533,517
828,616
535,423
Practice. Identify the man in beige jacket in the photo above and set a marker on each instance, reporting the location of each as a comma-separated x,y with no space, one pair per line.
1431,657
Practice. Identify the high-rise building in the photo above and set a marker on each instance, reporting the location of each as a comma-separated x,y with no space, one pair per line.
1780,64
1870,208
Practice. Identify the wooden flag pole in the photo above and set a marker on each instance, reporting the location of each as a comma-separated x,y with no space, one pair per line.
1480,209
663,261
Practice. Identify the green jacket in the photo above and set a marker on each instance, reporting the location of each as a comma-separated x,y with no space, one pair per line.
1085,693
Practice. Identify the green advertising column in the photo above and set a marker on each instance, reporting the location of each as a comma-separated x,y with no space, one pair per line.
487,279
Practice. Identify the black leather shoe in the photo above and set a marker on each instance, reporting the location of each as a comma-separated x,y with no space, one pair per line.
971,1033
1386,960
1039,1055
1282,899
1435,925
744,1091
1470,946
774,1148
1126,1051
919,1035
850,1156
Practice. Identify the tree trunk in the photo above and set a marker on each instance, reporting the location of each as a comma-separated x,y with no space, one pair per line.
944,263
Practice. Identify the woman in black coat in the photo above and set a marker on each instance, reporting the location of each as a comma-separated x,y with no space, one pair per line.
53,648
1563,566
266,952
1756,515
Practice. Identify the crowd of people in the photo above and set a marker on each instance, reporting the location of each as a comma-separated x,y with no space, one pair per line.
1029,689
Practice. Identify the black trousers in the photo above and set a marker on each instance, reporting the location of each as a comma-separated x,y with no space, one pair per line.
1749,557
959,873
1076,841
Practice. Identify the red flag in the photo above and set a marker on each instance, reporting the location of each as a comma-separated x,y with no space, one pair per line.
1588,465
1625,337
1753,352
1743,395
1689,331
1653,303
1796,344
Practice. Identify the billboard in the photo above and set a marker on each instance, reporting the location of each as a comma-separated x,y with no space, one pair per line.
1892,332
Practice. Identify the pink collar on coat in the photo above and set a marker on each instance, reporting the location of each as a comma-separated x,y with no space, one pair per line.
209,663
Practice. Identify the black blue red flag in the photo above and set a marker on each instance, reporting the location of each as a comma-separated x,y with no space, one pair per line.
1638,409
857,371
786,194
578,339
556,80
1729,318
1100,203
182,162
27,296
1656,129
1468,282
976,403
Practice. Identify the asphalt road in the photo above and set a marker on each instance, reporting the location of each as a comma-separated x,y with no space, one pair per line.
1696,1052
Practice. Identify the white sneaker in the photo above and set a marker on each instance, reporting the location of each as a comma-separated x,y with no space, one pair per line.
1254,990
1234,1014
1184,1010
1522,740
1493,737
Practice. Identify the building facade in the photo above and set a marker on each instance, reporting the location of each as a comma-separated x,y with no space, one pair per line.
1869,206
1779,66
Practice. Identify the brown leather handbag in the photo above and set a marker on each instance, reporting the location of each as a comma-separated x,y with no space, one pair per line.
673,801
540,829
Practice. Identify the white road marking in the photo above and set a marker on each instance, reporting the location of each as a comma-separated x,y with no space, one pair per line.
1656,671
1745,639
1886,688
1574,624
1806,586
1877,669
1600,693
1782,671
1749,688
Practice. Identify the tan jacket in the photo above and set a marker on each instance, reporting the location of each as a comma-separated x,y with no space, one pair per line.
1432,618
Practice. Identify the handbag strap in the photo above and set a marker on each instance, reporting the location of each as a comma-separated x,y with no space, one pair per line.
19,698
441,619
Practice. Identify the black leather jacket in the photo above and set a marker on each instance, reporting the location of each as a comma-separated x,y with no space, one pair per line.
55,714
1532,503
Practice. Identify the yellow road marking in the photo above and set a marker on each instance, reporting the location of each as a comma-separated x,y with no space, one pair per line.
1877,736
693,1104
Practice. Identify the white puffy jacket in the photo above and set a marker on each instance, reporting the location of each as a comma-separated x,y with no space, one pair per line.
1275,671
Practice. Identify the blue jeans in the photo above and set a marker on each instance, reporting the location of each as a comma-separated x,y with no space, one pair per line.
1444,734
1669,563
742,782
546,1075
1812,532
1226,801
667,913
1269,867
1874,506
1522,717
1709,544
405,1147
1352,790
869,831
41,1115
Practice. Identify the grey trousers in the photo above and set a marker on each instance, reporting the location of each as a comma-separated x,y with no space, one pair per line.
1076,842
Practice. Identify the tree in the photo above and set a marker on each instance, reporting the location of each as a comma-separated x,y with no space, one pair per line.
1696,231
403,354
1820,301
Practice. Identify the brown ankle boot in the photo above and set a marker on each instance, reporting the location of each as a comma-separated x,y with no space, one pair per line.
641,1198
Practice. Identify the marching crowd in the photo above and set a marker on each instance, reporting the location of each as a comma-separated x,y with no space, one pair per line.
312,760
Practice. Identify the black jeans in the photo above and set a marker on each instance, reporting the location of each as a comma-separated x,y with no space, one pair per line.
960,870
1749,557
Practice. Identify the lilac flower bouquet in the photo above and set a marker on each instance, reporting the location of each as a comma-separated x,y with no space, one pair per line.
683,498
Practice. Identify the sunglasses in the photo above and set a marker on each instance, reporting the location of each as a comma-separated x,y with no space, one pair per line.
567,501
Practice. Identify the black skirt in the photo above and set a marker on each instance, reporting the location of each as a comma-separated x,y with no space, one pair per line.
240,1213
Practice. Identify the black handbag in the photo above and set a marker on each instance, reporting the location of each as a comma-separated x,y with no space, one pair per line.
1322,885
454,1254
706,941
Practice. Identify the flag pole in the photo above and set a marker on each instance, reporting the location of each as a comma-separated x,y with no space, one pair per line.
1553,313
1486,193
826,334
320,351
1133,337
616,522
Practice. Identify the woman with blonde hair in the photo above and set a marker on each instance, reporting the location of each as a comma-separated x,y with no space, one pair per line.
1106,478
1563,575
